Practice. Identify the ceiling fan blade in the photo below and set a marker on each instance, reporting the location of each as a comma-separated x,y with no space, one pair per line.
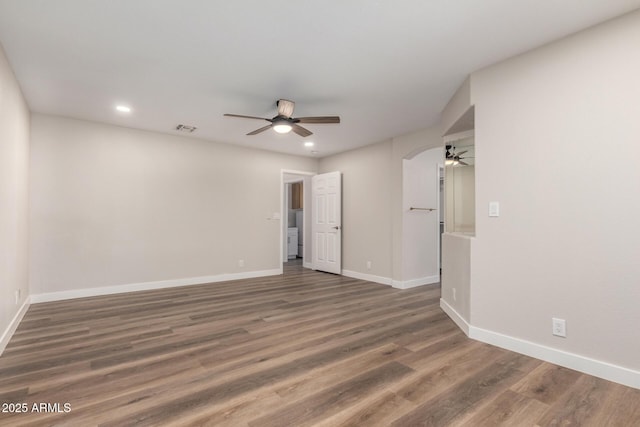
257,131
246,117
300,130
285,107
325,119
461,153
463,163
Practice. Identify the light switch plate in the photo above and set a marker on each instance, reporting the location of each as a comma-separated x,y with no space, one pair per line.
494,209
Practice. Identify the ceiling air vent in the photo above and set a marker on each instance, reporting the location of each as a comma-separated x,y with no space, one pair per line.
186,128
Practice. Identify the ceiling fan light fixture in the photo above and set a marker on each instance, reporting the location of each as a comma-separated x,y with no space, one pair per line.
282,128
281,125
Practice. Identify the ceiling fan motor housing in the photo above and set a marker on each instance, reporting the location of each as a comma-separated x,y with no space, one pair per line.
285,107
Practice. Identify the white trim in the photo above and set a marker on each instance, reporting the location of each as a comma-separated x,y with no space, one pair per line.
390,282
13,325
368,277
307,265
284,221
573,361
406,284
441,205
133,287
455,316
295,172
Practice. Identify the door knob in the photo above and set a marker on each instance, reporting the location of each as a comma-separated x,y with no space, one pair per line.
337,227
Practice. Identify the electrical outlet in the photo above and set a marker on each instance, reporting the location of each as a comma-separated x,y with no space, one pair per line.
559,327
453,291
240,263
368,265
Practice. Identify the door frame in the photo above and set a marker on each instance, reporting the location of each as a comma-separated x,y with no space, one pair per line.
284,214
440,204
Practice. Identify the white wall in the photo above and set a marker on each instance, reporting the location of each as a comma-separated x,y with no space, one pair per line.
421,229
115,206
366,207
460,193
14,174
405,147
373,204
456,108
557,141
456,277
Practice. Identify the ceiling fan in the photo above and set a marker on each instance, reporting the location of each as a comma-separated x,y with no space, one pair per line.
454,158
284,123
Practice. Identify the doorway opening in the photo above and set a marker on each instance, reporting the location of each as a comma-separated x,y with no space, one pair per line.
296,218
421,218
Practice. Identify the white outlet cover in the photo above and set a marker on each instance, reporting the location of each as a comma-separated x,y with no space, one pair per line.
559,327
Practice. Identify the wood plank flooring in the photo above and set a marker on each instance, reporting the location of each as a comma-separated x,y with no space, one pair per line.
302,349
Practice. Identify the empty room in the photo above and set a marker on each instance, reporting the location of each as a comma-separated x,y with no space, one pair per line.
327,214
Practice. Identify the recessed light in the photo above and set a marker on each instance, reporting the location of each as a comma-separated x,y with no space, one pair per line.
308,144
123,109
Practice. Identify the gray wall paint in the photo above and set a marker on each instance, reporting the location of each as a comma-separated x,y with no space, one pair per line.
14,174
116,206
421,229
456,273
372,209
366,207
557,138
405,147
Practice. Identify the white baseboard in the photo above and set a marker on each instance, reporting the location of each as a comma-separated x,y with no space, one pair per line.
390,282
455,316
573,361
406,284
132,287
368,277
13,325
307,265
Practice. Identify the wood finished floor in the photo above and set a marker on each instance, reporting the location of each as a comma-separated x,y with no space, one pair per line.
303,349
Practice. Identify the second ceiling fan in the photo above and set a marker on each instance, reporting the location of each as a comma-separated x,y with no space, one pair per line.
453,157
284,122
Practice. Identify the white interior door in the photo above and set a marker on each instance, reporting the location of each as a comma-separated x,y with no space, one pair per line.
326,216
